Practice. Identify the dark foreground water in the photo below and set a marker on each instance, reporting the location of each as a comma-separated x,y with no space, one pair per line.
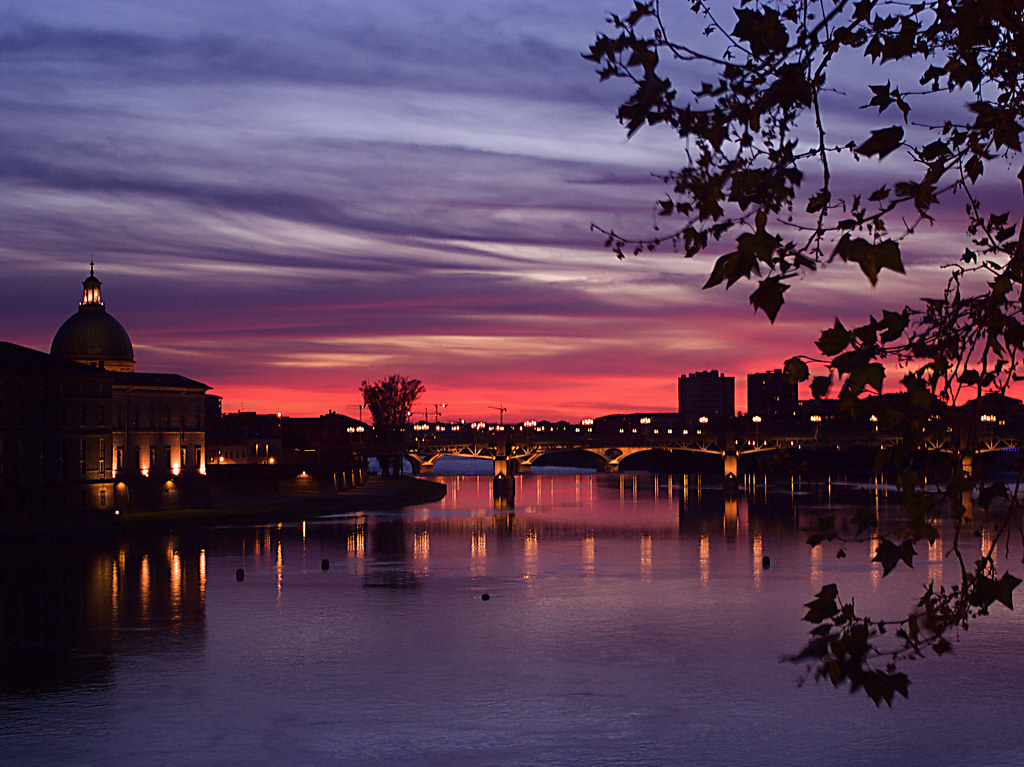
630,621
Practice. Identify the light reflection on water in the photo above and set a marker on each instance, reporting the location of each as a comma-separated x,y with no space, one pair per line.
631,620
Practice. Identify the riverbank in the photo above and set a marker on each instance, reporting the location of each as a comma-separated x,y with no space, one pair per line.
375,494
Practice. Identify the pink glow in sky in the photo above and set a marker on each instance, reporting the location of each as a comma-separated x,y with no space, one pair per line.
286,199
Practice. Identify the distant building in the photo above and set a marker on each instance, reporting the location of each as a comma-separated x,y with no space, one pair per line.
244,438
771,394
271,453
994,409
635,424
82,435
707,394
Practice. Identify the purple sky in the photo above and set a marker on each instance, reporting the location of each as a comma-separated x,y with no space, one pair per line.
285,199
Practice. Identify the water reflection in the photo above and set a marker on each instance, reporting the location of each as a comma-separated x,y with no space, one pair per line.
630,618
67,609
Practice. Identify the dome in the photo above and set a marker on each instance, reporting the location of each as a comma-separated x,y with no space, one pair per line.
92,336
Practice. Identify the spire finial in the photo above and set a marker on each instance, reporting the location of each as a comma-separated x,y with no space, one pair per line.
92,264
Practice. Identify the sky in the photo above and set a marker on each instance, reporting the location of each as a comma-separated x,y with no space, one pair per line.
285,199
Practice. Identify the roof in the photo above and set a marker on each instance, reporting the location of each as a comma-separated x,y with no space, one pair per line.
92,334
21,359
157,381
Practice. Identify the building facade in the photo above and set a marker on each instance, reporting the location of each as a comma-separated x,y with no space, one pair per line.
771,395
56,451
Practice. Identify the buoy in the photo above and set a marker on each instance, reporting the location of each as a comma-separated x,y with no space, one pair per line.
325,564
239,575
766,562
485,596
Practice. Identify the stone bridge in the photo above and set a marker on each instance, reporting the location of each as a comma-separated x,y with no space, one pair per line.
516,452
516,455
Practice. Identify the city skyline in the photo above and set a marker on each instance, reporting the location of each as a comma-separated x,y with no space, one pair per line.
283,203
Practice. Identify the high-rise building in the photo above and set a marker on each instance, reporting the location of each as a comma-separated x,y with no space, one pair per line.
771,394
707,394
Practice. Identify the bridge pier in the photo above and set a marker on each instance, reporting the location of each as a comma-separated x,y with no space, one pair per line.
730,472
967,466
504,483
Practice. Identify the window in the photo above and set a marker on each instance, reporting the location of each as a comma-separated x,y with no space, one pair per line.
184,459
138,458
81,456
119,462
103,458
152,458
103,499
167,458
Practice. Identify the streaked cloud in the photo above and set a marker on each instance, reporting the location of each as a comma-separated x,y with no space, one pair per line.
284,200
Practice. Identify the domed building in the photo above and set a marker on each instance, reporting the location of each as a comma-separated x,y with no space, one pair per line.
93,337
83,436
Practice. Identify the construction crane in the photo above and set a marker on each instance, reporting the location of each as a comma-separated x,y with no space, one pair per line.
501,413
438,409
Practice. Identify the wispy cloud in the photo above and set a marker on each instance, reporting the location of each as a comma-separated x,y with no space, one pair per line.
286,199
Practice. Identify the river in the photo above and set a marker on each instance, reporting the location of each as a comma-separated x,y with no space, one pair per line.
627,620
